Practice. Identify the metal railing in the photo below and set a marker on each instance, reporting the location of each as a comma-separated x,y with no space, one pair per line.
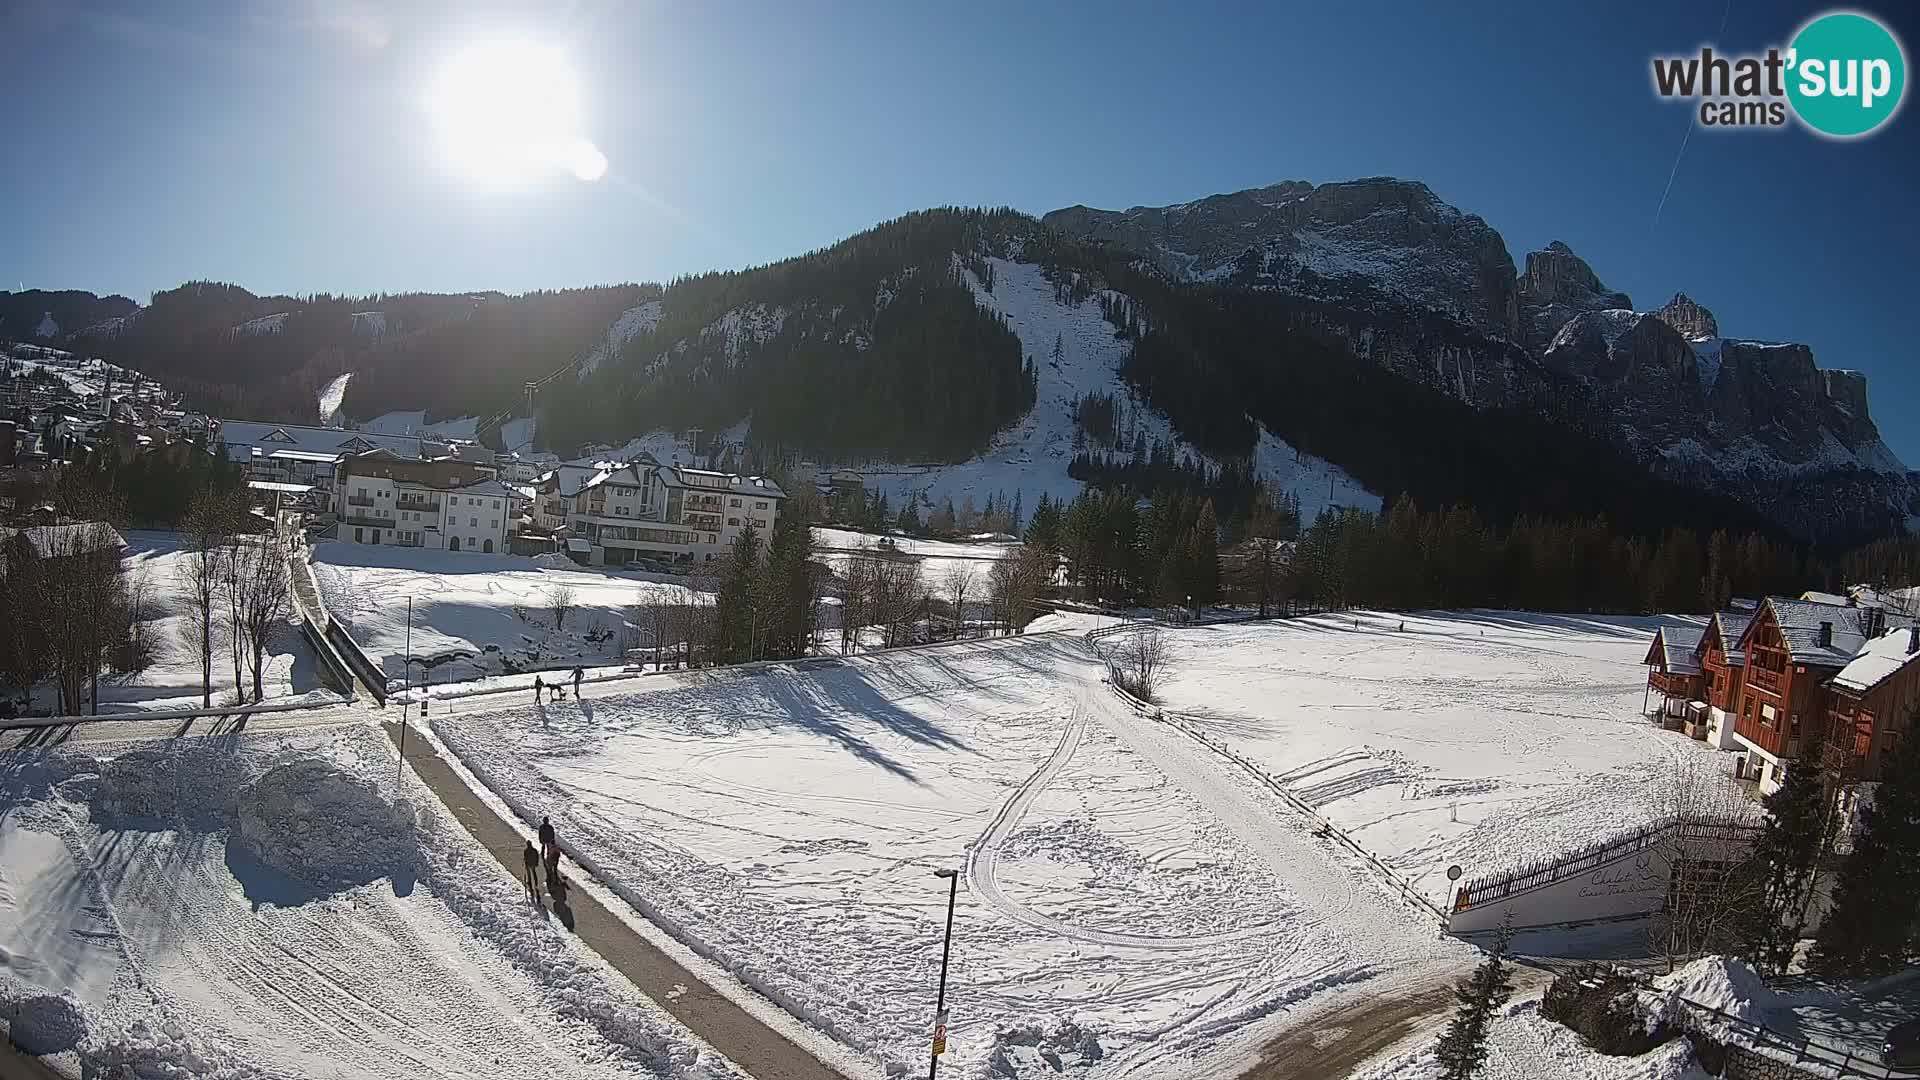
359,500
1541,873
1795,1051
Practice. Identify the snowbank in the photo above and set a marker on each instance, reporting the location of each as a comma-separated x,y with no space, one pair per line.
1721,982
40,1022
316,823
1523,1045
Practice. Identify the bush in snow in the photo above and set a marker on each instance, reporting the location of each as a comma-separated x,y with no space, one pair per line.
1604,1007
321,825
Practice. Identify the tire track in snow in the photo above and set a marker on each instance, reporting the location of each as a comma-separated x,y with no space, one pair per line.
984,857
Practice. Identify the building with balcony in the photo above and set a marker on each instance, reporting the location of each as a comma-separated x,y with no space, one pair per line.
1873,704
1794,649
1673,673
1723,670
306,455
443,503
643,511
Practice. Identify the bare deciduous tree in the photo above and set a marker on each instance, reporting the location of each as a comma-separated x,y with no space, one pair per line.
1141,661
560,601
959,581
1711,883
264,600
208,529
898,599
1014,584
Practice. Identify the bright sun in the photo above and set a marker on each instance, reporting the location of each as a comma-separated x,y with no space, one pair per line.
508,113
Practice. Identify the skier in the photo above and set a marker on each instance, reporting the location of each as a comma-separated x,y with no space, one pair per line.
539,689
531,859
578,674
549,848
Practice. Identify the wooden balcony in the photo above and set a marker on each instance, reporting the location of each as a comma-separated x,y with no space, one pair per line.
1767,680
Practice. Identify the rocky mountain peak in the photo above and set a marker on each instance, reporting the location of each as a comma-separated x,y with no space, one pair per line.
1693,321
1372,237
1557,286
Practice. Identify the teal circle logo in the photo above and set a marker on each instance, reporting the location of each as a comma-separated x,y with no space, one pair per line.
1846,74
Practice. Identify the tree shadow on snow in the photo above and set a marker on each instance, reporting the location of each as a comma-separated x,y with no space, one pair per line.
813,705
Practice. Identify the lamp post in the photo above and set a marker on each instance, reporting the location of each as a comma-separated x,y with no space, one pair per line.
400,770
946,953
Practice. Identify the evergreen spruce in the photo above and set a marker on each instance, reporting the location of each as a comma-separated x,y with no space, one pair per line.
737,601
1463,1048
1876,905
1785,858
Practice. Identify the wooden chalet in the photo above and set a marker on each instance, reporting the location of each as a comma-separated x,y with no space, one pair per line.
1872,704
1793,648
1673,671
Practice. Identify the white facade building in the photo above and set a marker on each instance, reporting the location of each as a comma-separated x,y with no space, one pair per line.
444,504
662,513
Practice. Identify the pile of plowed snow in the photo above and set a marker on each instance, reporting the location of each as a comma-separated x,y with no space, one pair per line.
315,822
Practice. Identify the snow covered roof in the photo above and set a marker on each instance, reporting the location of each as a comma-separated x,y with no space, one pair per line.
1814,597
1879,661
1673,649
486,489
1728,628
242,437
575,477
58,541
1803,623
708,480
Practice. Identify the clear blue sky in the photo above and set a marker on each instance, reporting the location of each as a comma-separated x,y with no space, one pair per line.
284,146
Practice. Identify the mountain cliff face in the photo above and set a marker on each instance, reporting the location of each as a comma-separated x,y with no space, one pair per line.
1429,293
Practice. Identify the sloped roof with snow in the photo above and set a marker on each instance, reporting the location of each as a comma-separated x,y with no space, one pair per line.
708,480
1880,660
242,437
1731,626
80,538
1800,624
1674,647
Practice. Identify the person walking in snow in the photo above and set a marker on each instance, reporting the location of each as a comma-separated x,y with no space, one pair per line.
549,847
539,689
578,674
531,859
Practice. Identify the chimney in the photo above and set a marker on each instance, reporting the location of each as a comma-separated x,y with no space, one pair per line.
1826,635
1876,622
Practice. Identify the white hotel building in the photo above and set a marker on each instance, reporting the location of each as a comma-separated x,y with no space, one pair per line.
443,503
645,510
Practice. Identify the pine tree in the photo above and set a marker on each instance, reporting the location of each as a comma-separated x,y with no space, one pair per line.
1016,520
1043,529
736,601
1785,857
1876,905
1203,558
1463,1048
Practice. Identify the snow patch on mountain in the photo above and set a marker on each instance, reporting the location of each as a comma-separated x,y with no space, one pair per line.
330,397
637,320
371,323
516,435
110,328
47,328
265,324
414,422
1031,457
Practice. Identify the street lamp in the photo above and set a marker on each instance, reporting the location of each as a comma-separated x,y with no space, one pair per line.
940,1008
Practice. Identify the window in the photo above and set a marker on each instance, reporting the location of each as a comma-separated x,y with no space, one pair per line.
761,505
359,493
496,504
473,523
494,524
733,521
733,502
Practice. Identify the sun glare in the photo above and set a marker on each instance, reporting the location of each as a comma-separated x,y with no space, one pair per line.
508,113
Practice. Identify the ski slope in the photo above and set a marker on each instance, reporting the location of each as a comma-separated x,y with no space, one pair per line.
1480,738
1032,456
264,906
1126,904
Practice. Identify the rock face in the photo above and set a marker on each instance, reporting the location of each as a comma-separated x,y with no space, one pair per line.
1331,240
1429,292
1557,286
1692,320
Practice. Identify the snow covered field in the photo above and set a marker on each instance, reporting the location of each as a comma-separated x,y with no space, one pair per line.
264,906
1479,738
1126,903
464,602
938,558
156,568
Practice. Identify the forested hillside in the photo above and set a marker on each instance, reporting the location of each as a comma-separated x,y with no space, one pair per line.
873,348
